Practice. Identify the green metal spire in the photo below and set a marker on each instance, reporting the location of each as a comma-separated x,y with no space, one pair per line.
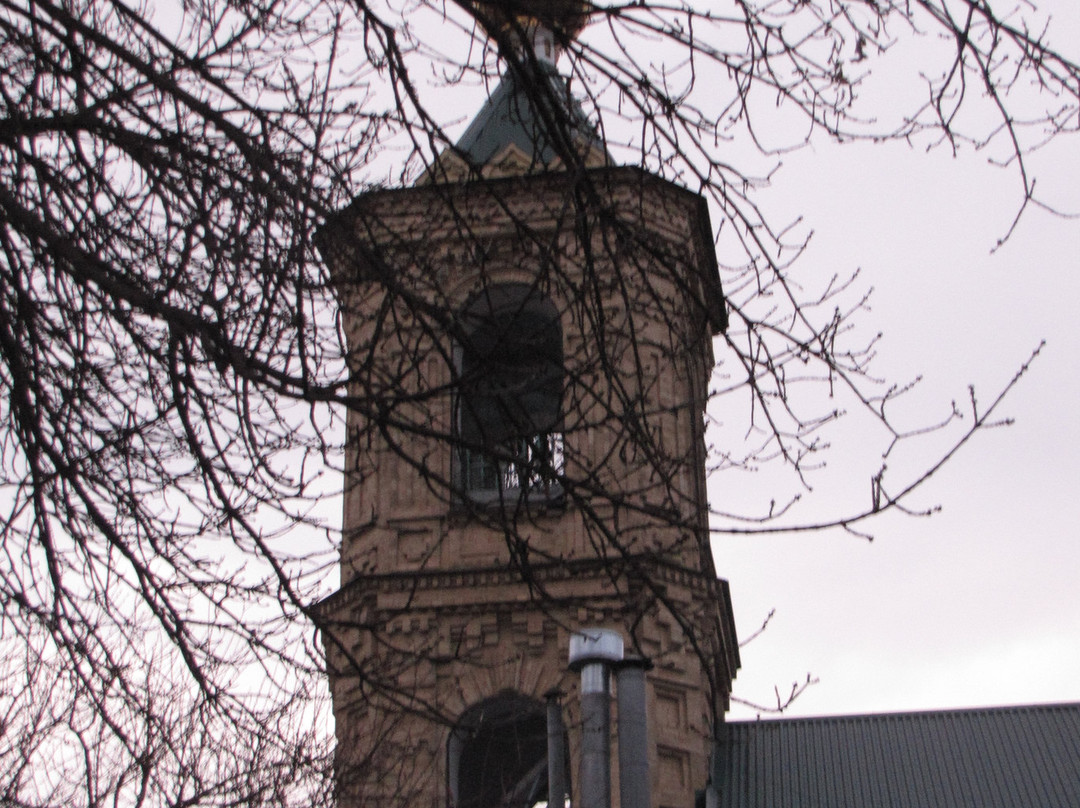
532,114
530,122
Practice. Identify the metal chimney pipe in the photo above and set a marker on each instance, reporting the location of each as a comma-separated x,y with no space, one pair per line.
592,652
556,734
634,787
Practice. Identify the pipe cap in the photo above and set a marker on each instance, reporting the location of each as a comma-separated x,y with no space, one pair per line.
595,645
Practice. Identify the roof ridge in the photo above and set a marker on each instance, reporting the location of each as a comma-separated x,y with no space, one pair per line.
929,712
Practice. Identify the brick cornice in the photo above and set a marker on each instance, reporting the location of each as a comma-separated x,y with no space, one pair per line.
658,572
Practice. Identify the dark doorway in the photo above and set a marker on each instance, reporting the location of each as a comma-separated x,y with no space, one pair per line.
497,754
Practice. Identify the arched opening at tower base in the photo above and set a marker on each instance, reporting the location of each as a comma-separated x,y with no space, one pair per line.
497,754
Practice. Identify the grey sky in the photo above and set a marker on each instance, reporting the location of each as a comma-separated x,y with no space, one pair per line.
977,604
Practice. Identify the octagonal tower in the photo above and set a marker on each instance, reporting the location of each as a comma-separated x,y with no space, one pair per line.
530,342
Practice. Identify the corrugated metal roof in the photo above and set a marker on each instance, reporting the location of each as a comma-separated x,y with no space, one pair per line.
1007,757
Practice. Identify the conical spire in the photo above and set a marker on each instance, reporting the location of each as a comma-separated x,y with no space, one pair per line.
531,122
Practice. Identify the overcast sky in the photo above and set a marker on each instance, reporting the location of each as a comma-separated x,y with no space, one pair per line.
979,604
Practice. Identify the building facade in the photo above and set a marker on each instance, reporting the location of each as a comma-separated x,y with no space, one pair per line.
530,346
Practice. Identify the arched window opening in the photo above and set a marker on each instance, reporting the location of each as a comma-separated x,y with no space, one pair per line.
497,755
509,401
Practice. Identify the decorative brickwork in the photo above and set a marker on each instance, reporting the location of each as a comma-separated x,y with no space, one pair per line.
446,602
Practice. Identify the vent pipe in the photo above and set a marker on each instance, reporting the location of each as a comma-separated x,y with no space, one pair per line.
634,789
593,652
556,746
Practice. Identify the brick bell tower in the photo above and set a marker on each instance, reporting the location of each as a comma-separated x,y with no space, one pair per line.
530,341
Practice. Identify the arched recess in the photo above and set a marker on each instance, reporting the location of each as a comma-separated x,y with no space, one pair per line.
509,358
497,754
